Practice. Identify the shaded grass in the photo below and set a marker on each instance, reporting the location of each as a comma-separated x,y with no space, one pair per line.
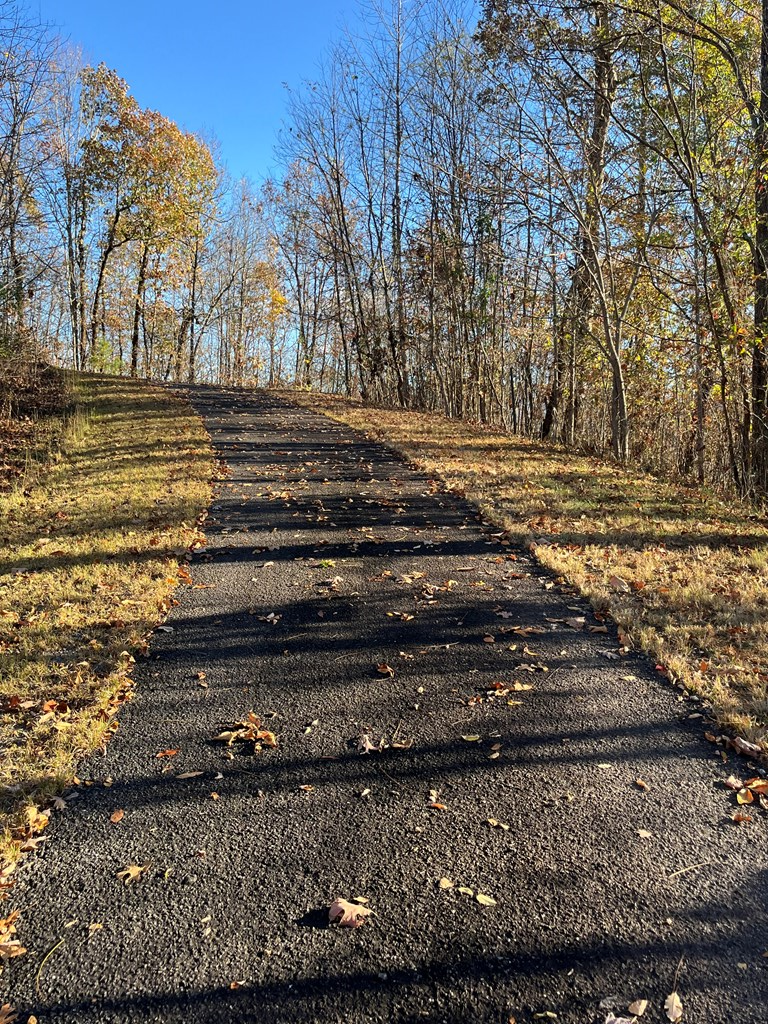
695,567
89,558
36,405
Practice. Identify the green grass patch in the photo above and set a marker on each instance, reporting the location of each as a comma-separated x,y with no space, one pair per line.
683,573
89,560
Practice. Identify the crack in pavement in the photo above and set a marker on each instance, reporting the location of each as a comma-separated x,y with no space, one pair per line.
327,556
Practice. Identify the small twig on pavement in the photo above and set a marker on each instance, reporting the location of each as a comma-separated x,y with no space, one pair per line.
45,960
393,781
691,867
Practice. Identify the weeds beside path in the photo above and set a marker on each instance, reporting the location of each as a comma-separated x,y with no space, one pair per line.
682,573
88,563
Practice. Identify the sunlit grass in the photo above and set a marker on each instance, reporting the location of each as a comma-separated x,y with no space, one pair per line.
88,564
697,567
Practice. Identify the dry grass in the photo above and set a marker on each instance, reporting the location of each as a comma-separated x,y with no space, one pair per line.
696,568
35,405
88,563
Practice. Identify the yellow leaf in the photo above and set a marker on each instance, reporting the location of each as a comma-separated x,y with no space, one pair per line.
132,872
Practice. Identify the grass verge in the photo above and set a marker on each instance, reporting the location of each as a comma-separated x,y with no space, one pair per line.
89,559
683,574
36,405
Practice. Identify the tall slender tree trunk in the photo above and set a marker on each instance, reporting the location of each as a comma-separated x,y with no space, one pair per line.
758,445
138,305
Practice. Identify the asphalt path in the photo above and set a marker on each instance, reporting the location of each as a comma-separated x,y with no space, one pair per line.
327,557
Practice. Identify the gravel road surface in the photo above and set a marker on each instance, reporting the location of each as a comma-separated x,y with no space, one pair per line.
350,602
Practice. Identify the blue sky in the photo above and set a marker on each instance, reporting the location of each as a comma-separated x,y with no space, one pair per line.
210,65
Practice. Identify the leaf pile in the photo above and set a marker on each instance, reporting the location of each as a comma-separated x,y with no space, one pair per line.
248,731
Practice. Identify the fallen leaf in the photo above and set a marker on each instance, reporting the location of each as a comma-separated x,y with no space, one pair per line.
638,1007
744,747
741,818
94,927
486,901
619,585
495,823
346,914
744,796
445,883
466,891
132,873
385,670
7,1014
189,775
117,816
642,784
674,1007
10,947
166,753
644,834
471,739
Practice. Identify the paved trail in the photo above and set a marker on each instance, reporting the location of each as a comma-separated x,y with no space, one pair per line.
326,533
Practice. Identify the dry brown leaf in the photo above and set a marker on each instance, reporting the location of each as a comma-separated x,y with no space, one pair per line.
642,784
132,873
366,745
10,947
673,1006
744,796
744,747
385,670
7,1014
619,585
166,753
346,914
190,775
117,816
741,818
445,883
638,1007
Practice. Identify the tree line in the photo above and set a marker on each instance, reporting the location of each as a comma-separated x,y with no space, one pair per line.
554,218
124,244
549,216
